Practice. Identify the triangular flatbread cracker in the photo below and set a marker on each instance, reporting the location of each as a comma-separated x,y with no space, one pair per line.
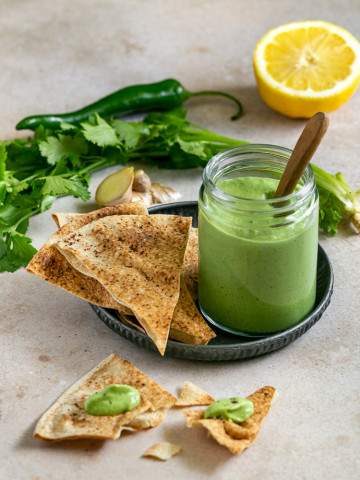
191,395
236,437
138,259
130,321
78,220
188,325
190,269
148,419
61,218
66,419
162,451
53,267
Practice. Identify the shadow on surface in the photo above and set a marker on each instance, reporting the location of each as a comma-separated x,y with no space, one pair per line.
200,452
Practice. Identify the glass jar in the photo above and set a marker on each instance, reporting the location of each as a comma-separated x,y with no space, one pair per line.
258,256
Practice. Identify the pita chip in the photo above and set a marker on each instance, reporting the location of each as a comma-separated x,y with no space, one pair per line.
144,421
188,325
162,451
80,219
191,395
236,437
66,419
130,321
138,259
61,218
53,267
148,419
190,271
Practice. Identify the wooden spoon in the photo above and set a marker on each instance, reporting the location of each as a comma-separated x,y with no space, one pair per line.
305,148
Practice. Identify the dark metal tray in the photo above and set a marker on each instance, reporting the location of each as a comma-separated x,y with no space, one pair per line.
226,346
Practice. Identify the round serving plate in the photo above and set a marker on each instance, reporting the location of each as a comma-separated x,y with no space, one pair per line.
225,346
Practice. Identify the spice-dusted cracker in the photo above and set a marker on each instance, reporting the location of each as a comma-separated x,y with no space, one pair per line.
162,451
145,420
148,419
188,325
78,220
138,259
130,321
50,265
236,437
66,419
53,267
191,395
190,269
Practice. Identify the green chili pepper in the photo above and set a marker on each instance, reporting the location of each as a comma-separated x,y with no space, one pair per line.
164,95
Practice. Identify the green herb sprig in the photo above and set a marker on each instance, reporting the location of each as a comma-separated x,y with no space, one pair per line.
55,163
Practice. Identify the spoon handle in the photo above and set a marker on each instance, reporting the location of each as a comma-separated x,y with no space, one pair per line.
305,148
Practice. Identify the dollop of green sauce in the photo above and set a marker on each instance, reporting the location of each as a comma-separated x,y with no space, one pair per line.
235,409
112,400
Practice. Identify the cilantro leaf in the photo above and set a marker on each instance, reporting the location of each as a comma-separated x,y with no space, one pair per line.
46,203
67,126
58,186
129,134
331,211
11,214
101,133
16,251
64,146
194,148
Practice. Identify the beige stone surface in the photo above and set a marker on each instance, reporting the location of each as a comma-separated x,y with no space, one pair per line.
60,55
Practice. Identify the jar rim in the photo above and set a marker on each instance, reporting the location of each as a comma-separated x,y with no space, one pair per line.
266,150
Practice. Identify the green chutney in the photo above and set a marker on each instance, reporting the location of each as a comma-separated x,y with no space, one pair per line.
112,400
257,270
234,409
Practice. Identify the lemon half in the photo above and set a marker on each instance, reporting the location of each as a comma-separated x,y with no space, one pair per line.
305,67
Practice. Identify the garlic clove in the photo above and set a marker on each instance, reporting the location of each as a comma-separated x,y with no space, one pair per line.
163,194
142,197
142,182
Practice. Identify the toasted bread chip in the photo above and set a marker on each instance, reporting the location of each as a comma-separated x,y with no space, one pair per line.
145,421
53,267
188,325
190,269
148,419
131,321
190,395
61,218
80,219
236,437
66,419
162,451
138,259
